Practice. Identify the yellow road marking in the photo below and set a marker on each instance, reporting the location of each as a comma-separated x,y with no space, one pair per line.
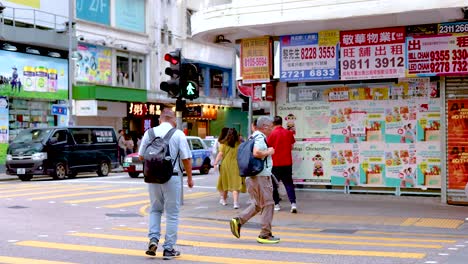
314,241
140,253
268,248
408,234
143,210
295,234
9,186
409,221
107,198
12,260
188,196
439,222
87,193
275,227
33,188
72,194
61,189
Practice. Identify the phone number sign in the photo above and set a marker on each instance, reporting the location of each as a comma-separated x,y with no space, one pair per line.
373,53
311,57
437,55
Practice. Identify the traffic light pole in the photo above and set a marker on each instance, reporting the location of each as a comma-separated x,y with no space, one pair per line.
179,108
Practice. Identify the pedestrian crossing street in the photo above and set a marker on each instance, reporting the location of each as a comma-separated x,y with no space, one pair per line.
206,240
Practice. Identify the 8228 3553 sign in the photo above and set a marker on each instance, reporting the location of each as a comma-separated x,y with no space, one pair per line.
309,56
373,53
437,55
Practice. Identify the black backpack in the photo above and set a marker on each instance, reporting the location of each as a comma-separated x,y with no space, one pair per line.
158,166
248,164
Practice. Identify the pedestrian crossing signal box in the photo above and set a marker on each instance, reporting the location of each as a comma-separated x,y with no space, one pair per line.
189,81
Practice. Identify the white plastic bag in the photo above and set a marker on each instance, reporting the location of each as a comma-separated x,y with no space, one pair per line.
281,189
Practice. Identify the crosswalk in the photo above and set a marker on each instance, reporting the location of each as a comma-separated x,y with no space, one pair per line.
203,240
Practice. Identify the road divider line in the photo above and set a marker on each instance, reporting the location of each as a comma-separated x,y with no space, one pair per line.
187,196
107,198
87,193
408,234
42,187
140,253
319,251
5,185
13,260
296,234
58,190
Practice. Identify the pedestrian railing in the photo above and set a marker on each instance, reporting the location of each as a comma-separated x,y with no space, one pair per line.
32,18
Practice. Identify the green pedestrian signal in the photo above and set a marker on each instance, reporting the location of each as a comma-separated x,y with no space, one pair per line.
189,81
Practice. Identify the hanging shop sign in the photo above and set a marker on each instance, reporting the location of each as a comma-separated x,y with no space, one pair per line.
309,57
143,109
193,111
457,146
256,61
372,53
94,64
31,76
437,55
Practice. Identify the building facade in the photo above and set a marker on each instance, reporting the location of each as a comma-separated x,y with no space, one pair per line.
373,90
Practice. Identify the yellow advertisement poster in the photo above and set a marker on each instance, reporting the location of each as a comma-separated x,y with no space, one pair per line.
256,60
30,3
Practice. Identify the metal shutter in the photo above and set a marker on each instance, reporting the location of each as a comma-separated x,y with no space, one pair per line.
455,88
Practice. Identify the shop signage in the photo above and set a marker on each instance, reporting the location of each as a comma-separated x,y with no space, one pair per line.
453,28
194,111
307,57
31,76
256,61
94,64
59,110
97,11
143,109
437,55
85,107
130,14
372,53
457,147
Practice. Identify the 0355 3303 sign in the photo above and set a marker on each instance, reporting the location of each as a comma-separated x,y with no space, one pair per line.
373,53
437,55
309,56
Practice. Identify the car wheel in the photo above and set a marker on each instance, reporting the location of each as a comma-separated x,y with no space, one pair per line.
60,171
205,169
25,177
133,174
103,169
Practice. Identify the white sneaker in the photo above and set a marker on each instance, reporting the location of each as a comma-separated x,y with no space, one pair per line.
222,201
293,208
236,206
277,207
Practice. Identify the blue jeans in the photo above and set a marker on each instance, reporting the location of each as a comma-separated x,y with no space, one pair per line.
165,197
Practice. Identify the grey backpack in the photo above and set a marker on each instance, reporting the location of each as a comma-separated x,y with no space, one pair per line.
158,166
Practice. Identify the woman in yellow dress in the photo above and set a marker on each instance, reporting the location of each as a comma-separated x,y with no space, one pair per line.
229,179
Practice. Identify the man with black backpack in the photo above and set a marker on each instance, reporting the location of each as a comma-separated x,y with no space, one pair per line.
161,149
259,186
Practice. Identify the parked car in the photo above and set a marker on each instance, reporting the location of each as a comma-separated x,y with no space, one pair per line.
201,158
211,142
62,151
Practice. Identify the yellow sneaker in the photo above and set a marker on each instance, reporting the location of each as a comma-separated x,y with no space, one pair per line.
268,240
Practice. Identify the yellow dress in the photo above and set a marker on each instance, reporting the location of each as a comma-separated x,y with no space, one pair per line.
229,178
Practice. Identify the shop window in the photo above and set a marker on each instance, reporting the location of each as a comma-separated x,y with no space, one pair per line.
216,83
130,70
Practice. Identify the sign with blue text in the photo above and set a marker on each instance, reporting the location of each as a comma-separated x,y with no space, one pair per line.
309,57
97,11
59,109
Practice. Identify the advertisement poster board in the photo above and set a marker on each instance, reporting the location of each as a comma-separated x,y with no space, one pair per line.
311,162
428,125
256,61
372,167
311,56
372,53
457,146
345,164
429,165
4,106
400,165
307,121
94,64
31,76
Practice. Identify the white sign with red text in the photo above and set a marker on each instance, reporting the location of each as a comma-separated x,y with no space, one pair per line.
437,55
373,53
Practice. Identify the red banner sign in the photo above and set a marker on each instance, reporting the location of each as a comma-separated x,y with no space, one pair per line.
457,146
373,53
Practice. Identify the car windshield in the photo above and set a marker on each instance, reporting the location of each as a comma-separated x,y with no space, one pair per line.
209,142
31,135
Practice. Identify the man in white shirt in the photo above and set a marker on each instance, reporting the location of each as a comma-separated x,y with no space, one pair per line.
166,196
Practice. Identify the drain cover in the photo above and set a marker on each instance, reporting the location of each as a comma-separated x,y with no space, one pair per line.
17,207
339,231
123,215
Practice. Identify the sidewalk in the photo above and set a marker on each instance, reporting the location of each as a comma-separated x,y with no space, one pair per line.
350,211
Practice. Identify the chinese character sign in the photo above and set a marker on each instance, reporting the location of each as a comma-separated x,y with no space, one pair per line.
437,55
256,60
373,53
309,56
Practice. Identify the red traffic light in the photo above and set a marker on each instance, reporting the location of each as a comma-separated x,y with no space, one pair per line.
172,57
